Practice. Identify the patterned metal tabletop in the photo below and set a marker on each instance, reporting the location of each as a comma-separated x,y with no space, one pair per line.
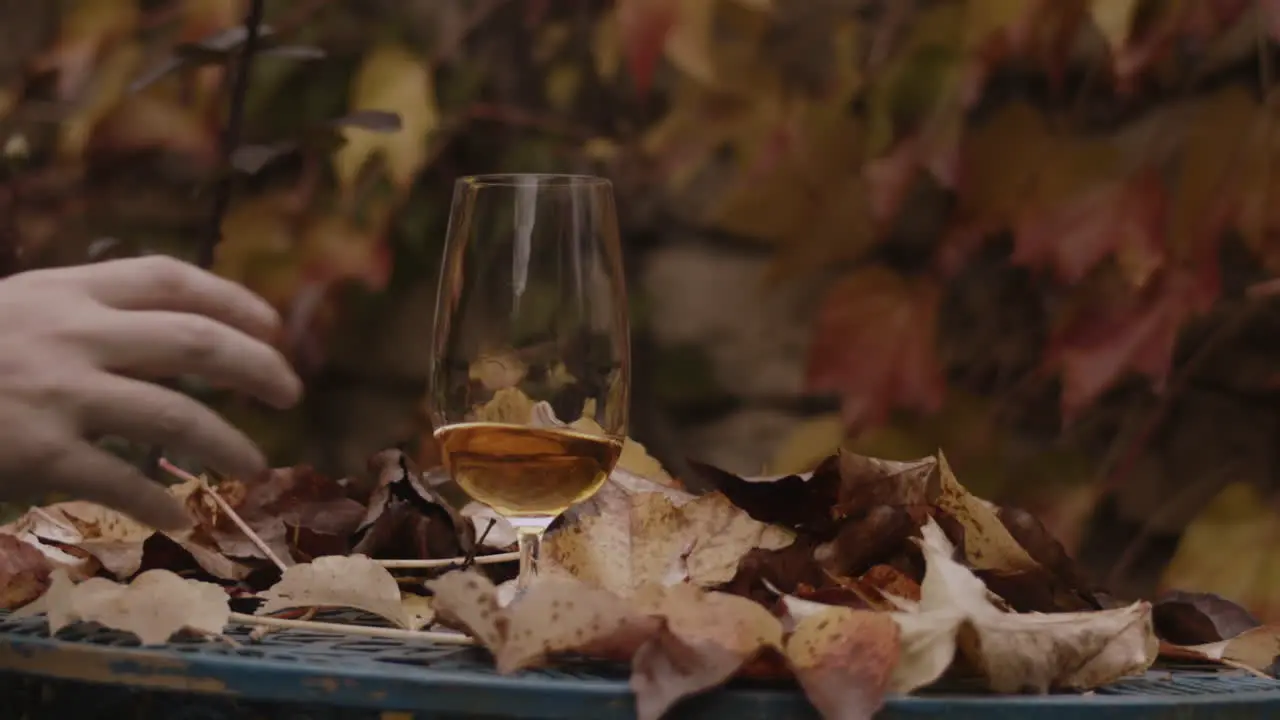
301,674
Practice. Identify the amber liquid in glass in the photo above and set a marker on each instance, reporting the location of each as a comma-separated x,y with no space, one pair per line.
526,471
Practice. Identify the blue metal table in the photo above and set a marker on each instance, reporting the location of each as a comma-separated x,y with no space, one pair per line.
90,672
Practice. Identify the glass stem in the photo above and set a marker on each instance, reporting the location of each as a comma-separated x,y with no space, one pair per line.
530,543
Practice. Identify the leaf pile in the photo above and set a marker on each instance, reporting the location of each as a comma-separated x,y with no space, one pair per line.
859,580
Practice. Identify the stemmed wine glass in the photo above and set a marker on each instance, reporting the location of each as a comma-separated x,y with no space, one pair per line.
531,367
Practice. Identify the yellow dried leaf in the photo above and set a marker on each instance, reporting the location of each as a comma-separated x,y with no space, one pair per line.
1114,19
390,79
988,545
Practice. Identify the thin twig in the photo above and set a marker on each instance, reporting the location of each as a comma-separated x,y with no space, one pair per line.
231,133
475,547
222,504
261,631
446,562
443,638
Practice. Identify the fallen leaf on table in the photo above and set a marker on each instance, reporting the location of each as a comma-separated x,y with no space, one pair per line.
115,539
867,482
298,512
988,545
802,502
1184,618
121,544
621,542
1000,560
783,570
24,572
843,485
53,538
845,660
926,647
886,580
406,517
1019,652
704,639
468,601
1033,537
419,609
560,614
155,606
871,539
1258,649
352,581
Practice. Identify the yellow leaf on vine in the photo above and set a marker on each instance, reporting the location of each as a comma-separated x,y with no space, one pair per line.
390,79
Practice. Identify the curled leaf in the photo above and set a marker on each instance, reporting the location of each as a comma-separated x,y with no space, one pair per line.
336,581
24,572
845,660
801,502
468,600
1019,652
1184,618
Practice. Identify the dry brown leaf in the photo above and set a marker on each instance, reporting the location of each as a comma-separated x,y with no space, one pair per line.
1019,652
560,614
1257,649
51,536
621,541
867,482
119,542
845,660
155,606
114,538
703,640
24,572
468,601
352,581
987,544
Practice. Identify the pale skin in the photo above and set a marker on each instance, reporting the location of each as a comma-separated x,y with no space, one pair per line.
80,351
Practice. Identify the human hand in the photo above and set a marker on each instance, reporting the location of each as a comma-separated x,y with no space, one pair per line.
76,347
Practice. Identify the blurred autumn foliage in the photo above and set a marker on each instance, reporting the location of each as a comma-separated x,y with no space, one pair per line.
1038,227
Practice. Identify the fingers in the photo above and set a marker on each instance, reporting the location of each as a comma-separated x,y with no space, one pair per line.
157,282
97,476
148,413
169,344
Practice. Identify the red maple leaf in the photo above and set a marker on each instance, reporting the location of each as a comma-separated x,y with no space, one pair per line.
1124,218
874,346
644,26
1138,334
